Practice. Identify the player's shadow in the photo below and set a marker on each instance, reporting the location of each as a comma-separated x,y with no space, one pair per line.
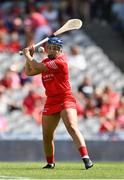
62,169
38,168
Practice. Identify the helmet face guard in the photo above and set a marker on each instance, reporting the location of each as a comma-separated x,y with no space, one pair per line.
55,41
54,46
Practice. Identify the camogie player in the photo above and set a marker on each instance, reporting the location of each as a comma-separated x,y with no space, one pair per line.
60,102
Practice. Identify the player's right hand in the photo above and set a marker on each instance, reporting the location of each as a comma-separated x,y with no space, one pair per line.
31,50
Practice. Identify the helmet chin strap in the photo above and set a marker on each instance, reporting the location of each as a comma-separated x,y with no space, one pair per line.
51,56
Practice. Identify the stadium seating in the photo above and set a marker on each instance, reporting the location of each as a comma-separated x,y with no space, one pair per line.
99,66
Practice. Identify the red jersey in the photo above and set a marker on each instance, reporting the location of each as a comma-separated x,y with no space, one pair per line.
56,79
56,83
38,20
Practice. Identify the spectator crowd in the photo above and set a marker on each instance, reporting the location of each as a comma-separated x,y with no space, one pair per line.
102,102
24,22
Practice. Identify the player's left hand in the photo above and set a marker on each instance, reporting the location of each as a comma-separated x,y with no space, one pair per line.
26,51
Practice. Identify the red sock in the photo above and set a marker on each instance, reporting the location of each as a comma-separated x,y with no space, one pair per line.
83,151
50,159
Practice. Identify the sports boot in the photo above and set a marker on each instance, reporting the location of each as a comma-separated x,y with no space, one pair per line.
87,162
49,166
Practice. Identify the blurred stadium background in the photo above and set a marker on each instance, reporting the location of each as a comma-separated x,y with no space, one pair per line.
96,67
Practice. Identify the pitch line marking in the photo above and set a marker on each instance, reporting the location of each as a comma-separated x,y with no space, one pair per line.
14,177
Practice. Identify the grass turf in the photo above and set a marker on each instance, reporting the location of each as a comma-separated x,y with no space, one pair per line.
63,170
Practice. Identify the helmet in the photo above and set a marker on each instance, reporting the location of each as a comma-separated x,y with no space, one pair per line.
56,41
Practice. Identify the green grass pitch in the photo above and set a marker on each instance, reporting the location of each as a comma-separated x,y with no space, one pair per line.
63,170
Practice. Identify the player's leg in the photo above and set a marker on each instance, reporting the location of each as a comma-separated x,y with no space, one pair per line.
49,124
69,117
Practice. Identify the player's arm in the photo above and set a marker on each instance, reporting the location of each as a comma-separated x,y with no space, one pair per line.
31,66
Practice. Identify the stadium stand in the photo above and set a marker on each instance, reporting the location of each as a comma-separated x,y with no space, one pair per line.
15,86
100,67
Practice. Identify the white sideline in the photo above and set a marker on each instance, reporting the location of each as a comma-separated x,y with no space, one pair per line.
14,177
